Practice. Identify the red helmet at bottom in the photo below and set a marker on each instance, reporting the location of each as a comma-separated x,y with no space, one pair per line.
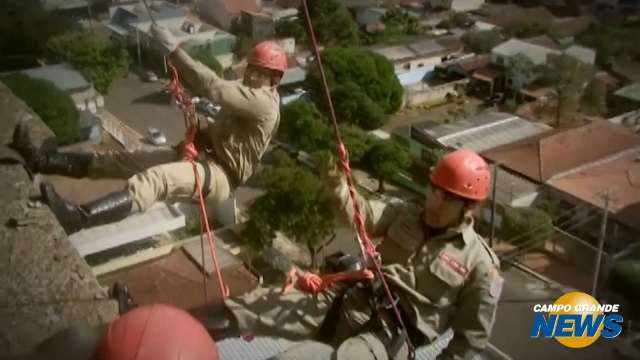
157,332
463,173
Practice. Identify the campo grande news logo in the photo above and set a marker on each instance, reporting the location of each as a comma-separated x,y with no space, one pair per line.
576,320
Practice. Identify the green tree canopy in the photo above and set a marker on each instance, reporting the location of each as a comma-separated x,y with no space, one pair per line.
332,23
292,28
295,203
481,42
205,56
526,226
350,69
625,279
568,77
100,59
26,27
520,70
594,98
53,106
304,127
385,159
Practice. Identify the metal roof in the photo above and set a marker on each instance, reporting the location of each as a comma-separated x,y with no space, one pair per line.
393,53
63,76
293,75
484,131
414,76
536,53
586,55
426,47
631,92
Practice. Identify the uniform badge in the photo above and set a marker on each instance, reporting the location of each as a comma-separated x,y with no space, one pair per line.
454,264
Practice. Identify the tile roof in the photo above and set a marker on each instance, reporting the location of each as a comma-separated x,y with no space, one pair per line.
540,157
620,174
63,76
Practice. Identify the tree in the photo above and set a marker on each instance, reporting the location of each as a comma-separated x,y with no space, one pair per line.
292,28
350,69
526,226
333,23
205,56
304,127
527,29
481,42
385,159
398,21
100,59
594,99
357,142
567,76
625,279
520,71
26,27
295,204
53,106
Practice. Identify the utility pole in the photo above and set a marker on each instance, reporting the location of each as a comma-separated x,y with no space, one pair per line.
603,233
493,205
90,15
138,46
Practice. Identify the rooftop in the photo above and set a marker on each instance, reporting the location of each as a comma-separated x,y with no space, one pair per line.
630,92
543,156
629,70
484,131
417,48
619,173
536,53
63,76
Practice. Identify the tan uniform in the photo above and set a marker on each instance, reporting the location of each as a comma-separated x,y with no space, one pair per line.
450,280
239,137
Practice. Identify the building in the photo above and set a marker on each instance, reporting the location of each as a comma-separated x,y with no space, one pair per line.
419,53
369,16
258,24
575,166
224,12
455,5
132,23
71,81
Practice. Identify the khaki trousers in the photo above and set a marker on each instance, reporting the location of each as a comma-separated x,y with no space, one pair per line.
160,175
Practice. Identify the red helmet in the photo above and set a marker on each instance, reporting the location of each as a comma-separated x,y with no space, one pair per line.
463,173
268,54
157,332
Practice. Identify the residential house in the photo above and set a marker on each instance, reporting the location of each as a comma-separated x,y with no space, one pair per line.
72,82
418,58
455,5
463,67
502,55
567,28
369,16
132,23
224,12
556,158
506,15
258,24
627,70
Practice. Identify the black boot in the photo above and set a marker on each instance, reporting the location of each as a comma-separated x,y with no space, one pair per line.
110,208
46,159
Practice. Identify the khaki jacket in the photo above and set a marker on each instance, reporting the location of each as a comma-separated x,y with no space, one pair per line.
247,122
451,280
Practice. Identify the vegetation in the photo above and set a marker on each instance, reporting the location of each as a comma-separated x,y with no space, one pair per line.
363,86
594,98
333,23
520,70
625,279
481,42
526,226
295,204
385,159
206,57
568,77
26,27
53,106
612,42
99,59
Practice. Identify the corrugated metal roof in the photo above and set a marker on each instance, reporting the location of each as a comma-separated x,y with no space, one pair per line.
414,76
494,134
426,47
536,53
63,76
586,55
293,75
394,52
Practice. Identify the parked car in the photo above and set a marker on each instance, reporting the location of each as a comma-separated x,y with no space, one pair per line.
150,76
156,137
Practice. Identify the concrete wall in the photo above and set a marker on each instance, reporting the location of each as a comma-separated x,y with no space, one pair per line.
126,136
575,251
423,93
45,286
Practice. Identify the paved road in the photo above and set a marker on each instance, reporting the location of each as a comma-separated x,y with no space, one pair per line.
142,105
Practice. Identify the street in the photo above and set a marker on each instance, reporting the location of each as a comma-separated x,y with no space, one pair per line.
142,105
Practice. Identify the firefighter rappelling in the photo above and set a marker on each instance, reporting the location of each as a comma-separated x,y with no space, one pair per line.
236,141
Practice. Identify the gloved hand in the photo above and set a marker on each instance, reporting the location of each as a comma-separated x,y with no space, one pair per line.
168,43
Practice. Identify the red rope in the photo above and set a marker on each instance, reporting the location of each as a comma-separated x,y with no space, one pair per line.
190,153
369,250
312,283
